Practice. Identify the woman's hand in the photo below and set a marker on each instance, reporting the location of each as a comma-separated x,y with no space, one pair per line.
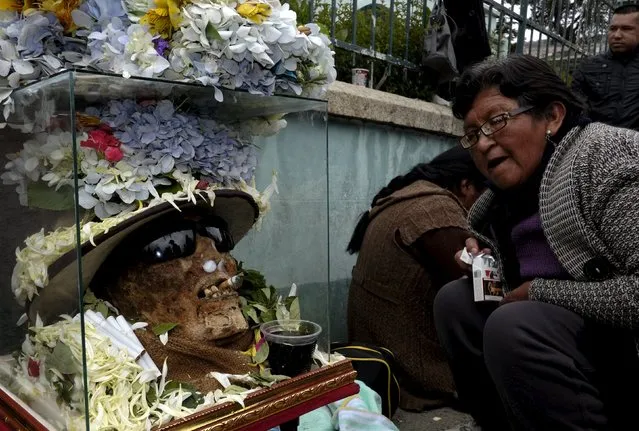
472,247
518,294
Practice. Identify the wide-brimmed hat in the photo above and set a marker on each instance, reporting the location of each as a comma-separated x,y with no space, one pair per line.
238,209
138,163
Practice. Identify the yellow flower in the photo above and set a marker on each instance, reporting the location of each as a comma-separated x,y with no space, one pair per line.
16,5
165,18
62,10
254,10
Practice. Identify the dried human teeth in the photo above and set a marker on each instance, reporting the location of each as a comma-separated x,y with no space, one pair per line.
209,266
207,292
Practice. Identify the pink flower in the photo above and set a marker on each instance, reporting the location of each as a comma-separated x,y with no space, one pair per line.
33,367
104,142
113,154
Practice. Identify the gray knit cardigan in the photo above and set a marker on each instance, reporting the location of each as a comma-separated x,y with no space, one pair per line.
589,208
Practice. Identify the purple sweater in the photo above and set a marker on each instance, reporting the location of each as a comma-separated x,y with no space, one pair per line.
536,258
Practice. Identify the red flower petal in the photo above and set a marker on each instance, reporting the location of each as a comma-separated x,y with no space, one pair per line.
202,185
113,154
89,143
33,368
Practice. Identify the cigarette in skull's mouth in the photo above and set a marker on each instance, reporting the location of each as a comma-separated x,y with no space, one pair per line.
232,283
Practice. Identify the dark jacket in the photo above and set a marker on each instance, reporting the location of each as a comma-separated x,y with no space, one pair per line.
610,85
471,38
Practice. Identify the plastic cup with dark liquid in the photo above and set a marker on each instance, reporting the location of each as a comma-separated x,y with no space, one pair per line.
291,344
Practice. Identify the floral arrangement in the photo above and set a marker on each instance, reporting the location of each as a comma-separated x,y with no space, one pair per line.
129,153
254,45
47,374
126,390
131,156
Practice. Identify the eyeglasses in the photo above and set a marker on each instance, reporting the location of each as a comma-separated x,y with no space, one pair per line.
175,239
491,126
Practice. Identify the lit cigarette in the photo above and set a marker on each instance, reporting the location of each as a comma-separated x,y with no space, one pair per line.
232,283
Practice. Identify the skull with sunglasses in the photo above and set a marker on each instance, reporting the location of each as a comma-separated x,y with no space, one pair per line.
178,269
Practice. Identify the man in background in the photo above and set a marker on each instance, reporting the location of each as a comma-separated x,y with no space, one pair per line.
610,82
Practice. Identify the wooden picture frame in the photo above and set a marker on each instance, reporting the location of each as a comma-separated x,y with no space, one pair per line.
263,409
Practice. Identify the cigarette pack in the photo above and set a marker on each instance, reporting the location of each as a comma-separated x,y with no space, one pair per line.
486,280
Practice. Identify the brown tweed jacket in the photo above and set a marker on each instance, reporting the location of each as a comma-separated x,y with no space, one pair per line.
589,208
391,294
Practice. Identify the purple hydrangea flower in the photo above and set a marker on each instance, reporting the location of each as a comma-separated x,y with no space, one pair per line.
161,46
162,140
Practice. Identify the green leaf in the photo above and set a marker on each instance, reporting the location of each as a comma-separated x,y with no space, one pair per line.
102,309
89,298
294,309
260,307
174,386
254,279
260,297
234,390
266,378
268,316
267,292
62,359
212,33
40,195
152,395
163,327
261,354
193,401
280,313
249,311
174,187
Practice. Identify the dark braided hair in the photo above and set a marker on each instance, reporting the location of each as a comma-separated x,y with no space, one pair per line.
447,170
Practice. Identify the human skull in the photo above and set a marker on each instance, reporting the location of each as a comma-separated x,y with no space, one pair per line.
198,291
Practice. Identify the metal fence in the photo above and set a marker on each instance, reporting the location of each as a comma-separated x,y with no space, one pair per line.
561,32
387,34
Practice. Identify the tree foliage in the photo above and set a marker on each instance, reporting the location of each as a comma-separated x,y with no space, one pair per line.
393,79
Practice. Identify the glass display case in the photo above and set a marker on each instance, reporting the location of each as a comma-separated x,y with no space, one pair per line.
149,228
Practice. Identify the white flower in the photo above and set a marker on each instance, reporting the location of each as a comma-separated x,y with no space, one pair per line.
141,57
48,157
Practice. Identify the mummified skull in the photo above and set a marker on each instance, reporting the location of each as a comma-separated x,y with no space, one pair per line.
180,271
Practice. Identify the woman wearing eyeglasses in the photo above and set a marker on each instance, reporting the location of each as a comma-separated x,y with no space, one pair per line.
561,218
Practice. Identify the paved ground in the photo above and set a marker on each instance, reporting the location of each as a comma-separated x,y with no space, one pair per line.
435,420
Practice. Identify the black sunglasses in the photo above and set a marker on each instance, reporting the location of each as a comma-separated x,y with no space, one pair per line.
175,238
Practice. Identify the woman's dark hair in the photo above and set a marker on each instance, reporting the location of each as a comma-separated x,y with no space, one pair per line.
527,79
447,170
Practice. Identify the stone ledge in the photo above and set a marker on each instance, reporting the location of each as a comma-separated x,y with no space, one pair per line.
351,101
